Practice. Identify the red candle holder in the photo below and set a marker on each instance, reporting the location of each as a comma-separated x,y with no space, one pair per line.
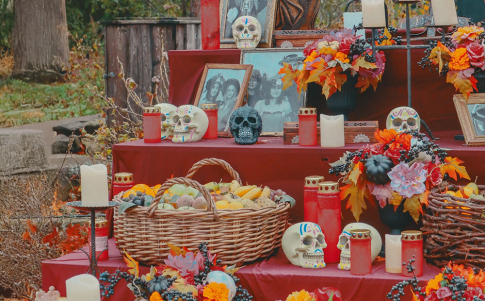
101,239
330,218
412,247
152,125
307,126
211,110
310,190
209,16
360,248
122,181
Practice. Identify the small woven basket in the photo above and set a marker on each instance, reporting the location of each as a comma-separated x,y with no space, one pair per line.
236,236
454,229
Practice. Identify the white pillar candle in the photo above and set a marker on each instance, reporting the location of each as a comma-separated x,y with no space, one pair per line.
444,12
373,13
393,254
94,185
332,131
82,288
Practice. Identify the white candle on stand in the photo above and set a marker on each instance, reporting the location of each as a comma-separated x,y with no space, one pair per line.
373,13
393,254
82,288
94,185
332,131
444,12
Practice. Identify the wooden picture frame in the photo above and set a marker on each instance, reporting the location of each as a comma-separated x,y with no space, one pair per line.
220,77
230,10
267,62
471,114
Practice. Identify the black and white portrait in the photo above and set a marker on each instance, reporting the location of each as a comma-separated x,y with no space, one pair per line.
477,113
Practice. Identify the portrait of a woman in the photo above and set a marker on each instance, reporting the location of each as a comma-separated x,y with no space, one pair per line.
254,88
230,91
213,89
275,108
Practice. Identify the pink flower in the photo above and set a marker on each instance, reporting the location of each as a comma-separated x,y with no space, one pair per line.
443,292
310,48
408,181
381,192
431,297
187,266
476,54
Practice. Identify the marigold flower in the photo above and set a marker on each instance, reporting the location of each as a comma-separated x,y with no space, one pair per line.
459,60
434,284
300,296
216,292
342,57
467,34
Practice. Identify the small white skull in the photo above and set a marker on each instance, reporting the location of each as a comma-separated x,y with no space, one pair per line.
246,31
303,245
403,119
167,111
189,124
344,243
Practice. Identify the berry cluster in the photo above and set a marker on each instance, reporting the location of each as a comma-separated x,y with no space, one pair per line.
200,278
345,167
112,280
397,291
174,295
357,48
425,146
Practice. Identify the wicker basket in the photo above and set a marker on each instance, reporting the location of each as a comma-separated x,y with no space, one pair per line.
236,236
454,229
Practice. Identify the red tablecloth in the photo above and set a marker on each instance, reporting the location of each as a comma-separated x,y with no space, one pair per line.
270,280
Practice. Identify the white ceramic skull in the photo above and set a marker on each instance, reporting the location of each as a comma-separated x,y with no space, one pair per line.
246,31
189,124
167,111
344,243
303,245
403,119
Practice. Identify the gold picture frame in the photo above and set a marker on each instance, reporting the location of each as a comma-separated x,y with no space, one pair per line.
220,78
471,114
232,9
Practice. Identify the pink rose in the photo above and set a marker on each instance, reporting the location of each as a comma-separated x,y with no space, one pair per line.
443,293
476,54
310,48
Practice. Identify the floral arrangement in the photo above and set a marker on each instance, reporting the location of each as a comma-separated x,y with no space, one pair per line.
330,60
184,276
459,58
401,167
323,294
455,282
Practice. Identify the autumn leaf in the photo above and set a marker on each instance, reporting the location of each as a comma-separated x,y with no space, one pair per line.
174,250
356,172
413,205
131,263
32,227
464,84
131,84
440,55
290,75
395,200
361,63
26,235
150,97
452,167
388,41
356,195
340,79
231,269
320,72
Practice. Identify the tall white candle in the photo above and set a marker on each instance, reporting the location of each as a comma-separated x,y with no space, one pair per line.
82,288
373,13
94,185
393,254
444,12
332,131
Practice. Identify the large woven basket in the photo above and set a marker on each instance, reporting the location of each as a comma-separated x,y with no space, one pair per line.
454,229
236,236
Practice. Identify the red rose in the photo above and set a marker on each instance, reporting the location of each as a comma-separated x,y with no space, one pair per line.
476,54
345,45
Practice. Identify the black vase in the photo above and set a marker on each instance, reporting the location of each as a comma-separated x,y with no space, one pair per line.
397,220
344,101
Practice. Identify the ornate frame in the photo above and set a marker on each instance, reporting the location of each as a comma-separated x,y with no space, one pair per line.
466,122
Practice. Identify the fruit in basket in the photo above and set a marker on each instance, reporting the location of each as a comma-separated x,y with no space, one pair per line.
165,206
148,200
128,193
185,201
180,189
200,203
155,188
244,189
266,192
248,204
212,186
144,189
265,202
474,187
234,185
185,208
275,194
166,198
252,194
231,197
376,169
222,204
235,205
138,201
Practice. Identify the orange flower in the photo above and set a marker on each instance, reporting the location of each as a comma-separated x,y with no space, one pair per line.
216,292
433,284
342,57
459,60
303,295
473,280
394,139
328,50
466,34
156,297
311,57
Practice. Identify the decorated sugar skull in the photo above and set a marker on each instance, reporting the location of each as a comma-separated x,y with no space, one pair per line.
344,243
245,125
167,111
246,31
303,245
189,124
221,277
403,119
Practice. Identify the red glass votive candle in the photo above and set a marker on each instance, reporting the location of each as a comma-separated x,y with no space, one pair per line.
310,190
360,247
211,110
412,245
307,126
209,16
122,181
330,218
152,125
101,238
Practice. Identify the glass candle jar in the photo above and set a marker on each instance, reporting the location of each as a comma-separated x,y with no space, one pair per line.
209,27
412,247
307,126
210,110
310,190
360,252
101,238
329,218
152,125
122,181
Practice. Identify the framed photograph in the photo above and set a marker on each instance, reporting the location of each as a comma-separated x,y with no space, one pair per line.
225,85
265,89
472,117
263,10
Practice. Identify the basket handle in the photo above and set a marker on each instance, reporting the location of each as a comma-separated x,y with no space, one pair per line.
214,161
187,182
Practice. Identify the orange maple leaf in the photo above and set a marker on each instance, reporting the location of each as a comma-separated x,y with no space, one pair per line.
452,167
32,227
356,195
26,235
290,75
356,172
465,85
131,263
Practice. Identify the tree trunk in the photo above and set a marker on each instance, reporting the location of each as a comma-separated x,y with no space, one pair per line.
39,40
195,8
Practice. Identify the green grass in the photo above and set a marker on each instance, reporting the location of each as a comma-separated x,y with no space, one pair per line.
24,103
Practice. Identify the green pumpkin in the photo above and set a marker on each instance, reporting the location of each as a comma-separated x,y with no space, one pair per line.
377,167
158,284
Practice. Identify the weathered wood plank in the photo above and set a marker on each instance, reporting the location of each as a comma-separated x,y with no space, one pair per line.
187,20
191,34
198,39
180,37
